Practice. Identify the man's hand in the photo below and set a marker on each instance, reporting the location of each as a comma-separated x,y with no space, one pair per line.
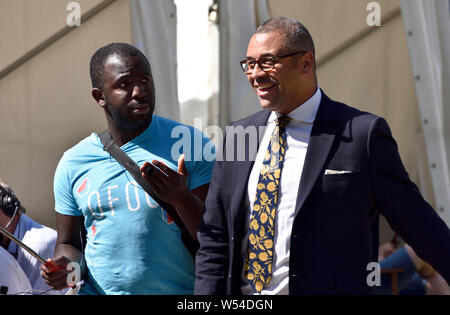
169,185
56,279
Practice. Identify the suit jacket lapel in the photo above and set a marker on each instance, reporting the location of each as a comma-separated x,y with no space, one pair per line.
242,169
320,142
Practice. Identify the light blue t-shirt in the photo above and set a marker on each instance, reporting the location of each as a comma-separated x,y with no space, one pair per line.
133,247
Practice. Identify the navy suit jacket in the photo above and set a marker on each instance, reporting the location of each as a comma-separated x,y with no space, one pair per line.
335,231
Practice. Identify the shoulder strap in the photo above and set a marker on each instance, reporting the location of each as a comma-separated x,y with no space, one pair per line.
123,159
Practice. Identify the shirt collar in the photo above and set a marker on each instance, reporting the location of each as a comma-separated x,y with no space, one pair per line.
306,112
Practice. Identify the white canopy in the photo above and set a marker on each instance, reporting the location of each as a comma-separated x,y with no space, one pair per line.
427,26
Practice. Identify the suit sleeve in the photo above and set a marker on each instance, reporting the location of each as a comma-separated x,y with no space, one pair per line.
212,257
399,200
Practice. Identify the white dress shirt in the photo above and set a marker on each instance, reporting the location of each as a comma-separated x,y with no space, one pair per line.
12,278
42,240
297,138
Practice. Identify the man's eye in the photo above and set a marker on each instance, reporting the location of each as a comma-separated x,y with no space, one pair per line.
268,61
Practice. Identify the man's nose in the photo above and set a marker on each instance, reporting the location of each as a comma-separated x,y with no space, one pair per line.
257,72
138,90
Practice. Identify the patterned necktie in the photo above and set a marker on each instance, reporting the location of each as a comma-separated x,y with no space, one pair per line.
258,266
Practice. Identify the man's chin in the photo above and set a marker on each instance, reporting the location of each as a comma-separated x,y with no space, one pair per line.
143,120
136,123
267,105
141,116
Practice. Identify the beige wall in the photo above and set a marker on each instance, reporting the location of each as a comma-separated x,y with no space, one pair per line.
26,23
46,105
372,74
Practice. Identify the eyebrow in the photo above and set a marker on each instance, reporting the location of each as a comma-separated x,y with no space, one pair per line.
263,55
123,75
127,74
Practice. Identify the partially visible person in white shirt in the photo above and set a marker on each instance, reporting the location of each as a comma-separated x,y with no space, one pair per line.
12,278
40,238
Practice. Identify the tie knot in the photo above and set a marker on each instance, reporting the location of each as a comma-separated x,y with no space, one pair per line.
282,121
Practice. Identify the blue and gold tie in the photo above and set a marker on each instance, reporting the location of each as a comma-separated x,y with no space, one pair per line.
258,266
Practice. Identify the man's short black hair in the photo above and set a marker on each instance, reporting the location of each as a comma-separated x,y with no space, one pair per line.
297,35
98,60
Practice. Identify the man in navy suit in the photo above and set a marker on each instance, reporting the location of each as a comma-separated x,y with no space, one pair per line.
340,169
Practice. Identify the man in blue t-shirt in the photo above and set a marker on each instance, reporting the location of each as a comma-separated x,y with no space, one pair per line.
132,246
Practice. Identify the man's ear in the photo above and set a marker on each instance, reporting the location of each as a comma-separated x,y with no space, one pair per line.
99,97
307,62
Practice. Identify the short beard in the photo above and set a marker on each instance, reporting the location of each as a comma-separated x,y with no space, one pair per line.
123,123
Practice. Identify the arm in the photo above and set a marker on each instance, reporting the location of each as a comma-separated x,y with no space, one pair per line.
68,249
435,283
400,201
211,262
190,209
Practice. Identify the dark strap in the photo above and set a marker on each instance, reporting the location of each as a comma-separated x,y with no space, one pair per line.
113,149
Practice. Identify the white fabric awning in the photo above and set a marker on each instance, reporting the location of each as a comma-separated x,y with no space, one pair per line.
427,26
154,33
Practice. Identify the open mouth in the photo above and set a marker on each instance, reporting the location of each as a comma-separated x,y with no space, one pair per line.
265,89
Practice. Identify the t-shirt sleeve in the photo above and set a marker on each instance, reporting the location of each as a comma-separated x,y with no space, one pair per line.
200,168
65,202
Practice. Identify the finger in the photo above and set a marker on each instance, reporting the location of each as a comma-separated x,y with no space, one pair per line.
181,165
44,269
53,275
156,181
51,265
148,171
150,168
157,175
58,284
163,167
55,266
55,279
145,167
